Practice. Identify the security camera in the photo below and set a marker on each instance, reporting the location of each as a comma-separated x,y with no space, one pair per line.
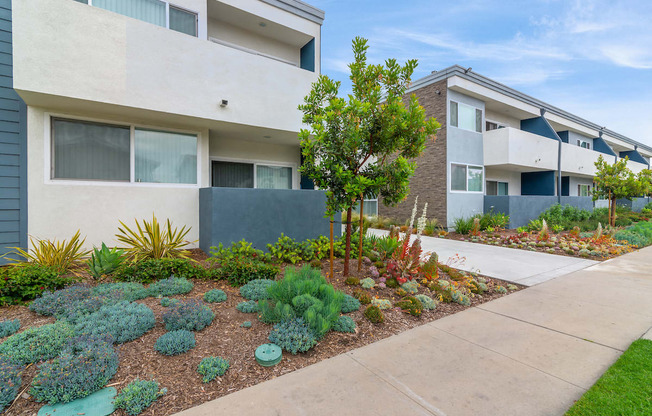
224,103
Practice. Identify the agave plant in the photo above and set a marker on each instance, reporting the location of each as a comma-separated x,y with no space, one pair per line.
63,255
151,241
103,261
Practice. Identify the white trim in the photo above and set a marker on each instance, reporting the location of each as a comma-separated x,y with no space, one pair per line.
473,165
255,163
47,154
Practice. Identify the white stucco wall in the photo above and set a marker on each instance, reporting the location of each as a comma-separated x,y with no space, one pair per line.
59,209
69,49
513,178
503,119
573,181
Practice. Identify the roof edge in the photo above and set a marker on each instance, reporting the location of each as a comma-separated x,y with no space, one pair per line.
300,9
457,70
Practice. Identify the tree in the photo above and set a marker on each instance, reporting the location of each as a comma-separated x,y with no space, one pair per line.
363,144
615,181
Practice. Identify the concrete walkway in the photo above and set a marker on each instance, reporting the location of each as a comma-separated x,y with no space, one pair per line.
531,353
514,265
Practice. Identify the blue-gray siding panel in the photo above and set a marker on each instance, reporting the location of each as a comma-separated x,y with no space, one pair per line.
259,216
13,146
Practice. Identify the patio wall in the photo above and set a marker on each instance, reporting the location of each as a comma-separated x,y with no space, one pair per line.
260,216
522,209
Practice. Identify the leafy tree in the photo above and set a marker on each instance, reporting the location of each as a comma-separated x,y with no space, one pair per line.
363,144
615,181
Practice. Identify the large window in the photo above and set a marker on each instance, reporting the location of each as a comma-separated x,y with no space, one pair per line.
466,178
466,117
160,13
227,174
584,190
84,150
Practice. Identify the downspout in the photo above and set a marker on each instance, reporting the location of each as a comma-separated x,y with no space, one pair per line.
543,112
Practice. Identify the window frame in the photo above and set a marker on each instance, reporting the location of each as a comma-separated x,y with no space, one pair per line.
466,165
48,154
167,15
255,163
581,142
478,128
589,188
498,124
498,182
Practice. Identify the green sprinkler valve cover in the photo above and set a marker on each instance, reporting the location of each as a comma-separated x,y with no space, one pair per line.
268,355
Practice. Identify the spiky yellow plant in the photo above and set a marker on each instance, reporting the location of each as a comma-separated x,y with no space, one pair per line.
151,241
64,255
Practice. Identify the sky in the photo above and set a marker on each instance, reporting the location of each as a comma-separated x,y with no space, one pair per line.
592,58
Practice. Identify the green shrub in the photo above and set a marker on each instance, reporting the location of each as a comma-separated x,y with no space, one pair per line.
287,250
170,287
190,315
82,368
381,303
214,296
367,283
427,302
212,367
166,302
10,380
128,291
352,281
138,396
410,305
256,289
350,304
639,234
535,225
105,261
63,256
293,335
493,220
250,306
374,315
8,327
303,293
238,250
392,283
567,216
151,241
463,225
243,270
58,302
411,287
151,270
321,248
124,321
28,281
362,296
246,324
344,324
37,343
175,342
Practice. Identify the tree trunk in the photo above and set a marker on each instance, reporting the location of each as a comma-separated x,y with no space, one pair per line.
612,213
330,275
347,253
360,231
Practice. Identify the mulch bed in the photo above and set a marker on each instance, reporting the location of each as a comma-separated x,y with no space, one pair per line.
226,338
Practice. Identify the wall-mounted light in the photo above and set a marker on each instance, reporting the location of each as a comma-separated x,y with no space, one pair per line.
224,103
262,24
437,92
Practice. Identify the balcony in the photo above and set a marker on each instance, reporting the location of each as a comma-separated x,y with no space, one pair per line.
510,147
578,160
87,59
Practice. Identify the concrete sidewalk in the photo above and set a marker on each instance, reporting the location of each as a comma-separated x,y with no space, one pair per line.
514,265
531,353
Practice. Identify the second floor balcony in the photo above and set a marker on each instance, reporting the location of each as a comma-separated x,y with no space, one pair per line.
88,54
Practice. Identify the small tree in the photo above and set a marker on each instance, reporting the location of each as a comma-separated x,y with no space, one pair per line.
615,181
362,145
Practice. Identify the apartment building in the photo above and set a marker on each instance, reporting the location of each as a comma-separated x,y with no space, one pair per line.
502,150
118,109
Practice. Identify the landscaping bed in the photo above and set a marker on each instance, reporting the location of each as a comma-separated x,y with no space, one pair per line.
226,338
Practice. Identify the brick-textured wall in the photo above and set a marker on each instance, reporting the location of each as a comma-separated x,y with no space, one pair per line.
429,180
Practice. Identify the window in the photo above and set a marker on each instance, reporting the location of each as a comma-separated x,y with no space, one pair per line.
370,207
584,144
158,12
584,190
84,150
466,117
163,157
466,178
497,188
492,125
250,175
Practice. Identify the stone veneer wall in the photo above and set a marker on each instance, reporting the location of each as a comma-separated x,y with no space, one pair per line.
429,180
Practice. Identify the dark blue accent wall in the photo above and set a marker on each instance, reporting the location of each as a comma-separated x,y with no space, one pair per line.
634,156
565,185
599,145
308,56
538,183
538,125
563,135
306,182
260,216
13,146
